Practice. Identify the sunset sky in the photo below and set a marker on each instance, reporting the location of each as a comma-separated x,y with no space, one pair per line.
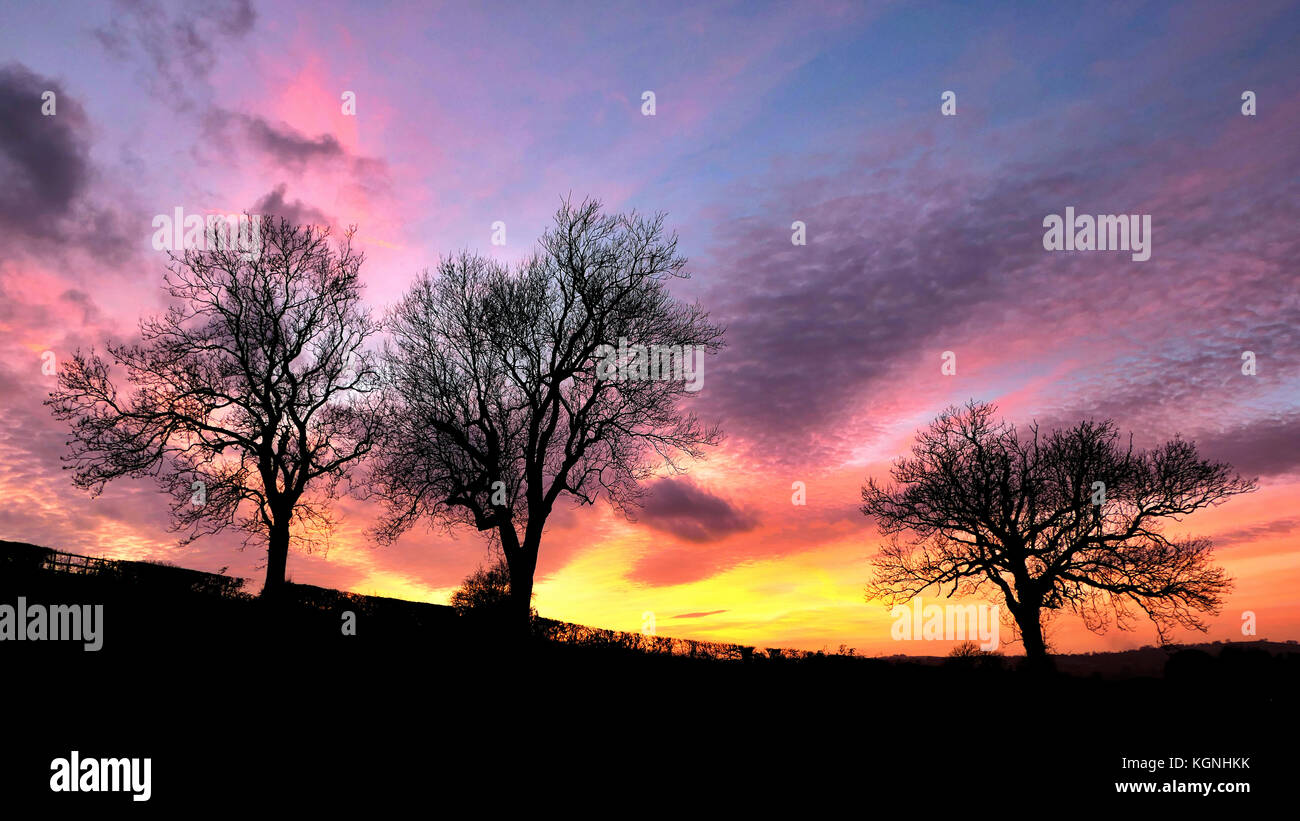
924,235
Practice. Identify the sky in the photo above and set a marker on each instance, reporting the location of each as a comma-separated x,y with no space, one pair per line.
924,235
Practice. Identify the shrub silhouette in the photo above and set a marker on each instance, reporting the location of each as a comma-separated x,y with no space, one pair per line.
968,655
484,596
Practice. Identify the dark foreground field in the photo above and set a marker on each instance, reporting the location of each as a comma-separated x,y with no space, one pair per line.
244,706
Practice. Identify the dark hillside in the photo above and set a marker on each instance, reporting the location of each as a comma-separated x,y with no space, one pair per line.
207,679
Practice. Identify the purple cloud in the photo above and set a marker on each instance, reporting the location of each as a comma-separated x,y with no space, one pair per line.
691,513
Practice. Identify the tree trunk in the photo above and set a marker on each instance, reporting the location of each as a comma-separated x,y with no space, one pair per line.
1029,620
277,560
522,565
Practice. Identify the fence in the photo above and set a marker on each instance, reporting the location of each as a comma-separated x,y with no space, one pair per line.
75,563
20,559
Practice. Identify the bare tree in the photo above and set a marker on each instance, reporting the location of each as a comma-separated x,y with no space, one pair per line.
497,405
1067,521
249,395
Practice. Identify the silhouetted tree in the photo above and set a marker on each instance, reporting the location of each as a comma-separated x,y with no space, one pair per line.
987,508
968,649
968,656
254,383
497,406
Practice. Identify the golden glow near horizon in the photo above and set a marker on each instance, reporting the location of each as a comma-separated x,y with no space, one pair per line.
787,594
